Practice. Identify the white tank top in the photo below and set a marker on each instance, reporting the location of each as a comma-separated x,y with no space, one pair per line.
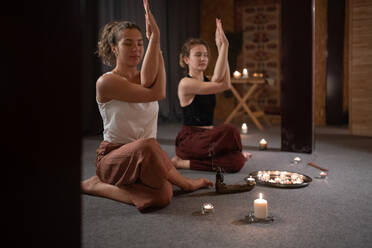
125,122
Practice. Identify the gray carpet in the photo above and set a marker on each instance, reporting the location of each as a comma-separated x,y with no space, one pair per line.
334,212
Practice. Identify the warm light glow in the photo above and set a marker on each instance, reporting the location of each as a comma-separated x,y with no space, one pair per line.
245,73
208,206
260,196
237,74
263,141
244,128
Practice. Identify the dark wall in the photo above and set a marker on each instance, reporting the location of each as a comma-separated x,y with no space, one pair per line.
91,68
42,132
335,62
296,84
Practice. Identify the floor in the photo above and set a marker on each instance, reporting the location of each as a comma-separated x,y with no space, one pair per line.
331,212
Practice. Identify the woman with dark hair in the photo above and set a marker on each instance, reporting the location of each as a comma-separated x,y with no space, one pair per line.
131,167
199,144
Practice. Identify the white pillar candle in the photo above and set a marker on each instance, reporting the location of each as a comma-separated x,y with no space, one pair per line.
260,208
244,128
237,74
245,73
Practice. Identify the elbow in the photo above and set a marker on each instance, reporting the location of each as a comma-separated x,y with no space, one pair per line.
217,78
162,96
147,84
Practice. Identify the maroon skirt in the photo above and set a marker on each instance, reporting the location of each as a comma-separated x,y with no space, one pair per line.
141,167
208,149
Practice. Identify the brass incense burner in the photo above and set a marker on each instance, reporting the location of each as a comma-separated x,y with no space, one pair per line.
222,188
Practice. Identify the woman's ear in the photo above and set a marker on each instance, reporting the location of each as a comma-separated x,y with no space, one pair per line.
186,60
113,49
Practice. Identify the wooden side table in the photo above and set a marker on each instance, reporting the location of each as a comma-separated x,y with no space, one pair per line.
249,100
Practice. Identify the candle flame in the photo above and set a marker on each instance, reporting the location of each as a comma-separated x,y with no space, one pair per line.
261,196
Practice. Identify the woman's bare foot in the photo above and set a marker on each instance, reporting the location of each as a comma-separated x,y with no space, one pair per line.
88,185
180,163
247,155
94,186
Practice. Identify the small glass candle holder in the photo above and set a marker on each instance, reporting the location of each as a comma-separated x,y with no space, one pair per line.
207,208
250,180
296,160
323,175
263,144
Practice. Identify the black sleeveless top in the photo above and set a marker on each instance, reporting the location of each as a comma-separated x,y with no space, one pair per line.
200,111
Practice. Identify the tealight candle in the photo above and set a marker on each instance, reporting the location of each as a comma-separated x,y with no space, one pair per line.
237,74
244,128
323,174
260,208
263,144
207,208
297,160
251,180
245,73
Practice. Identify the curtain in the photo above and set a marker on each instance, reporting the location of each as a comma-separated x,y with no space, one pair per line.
177,20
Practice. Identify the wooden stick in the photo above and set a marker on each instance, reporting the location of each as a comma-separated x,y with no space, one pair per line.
316,166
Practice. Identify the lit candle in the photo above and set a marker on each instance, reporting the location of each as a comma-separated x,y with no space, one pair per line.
260,208
323,174
244,128
255,74
263,144
245,73
297,160
207,208
251,180
237,74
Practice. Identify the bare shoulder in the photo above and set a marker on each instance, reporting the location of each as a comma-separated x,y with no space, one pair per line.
186,81
183,81
109,79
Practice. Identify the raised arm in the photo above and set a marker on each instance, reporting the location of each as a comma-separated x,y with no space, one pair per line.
150,65
221,77
111,86
222,60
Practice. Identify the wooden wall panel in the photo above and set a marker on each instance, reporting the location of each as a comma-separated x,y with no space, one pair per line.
360,64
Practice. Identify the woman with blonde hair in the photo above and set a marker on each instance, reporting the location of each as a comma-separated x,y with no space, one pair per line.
131,167
199,144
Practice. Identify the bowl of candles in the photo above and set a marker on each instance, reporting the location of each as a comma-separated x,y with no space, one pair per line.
280,178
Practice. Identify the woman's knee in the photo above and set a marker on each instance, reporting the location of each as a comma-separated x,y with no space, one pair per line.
235,165
231,129
149,144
